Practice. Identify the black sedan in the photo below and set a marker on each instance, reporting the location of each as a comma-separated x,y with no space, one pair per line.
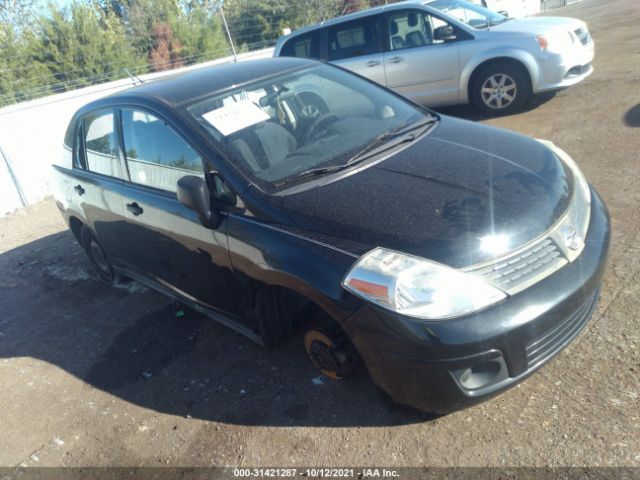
452,259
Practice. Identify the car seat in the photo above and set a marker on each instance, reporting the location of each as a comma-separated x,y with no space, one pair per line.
263,145
397,42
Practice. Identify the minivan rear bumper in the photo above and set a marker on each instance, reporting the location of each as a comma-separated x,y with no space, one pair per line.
444,366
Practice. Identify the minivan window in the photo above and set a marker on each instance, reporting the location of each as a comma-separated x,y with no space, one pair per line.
303,46
101,144
412,28
157,156
356,38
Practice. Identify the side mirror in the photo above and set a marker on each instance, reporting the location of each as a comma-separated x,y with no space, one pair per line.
194,194
444,33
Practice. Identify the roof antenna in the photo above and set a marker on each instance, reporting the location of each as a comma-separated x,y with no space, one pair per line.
133,77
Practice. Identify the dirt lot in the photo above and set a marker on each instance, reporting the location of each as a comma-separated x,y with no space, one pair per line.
95,376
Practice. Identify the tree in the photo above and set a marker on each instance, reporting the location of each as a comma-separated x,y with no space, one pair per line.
165,54
17,13
82,46
201,33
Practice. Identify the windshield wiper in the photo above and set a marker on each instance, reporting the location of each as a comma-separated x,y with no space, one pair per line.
390,139
311,173
384,141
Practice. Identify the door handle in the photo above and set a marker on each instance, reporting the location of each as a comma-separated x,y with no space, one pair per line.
372,63
395,60
79,190
134,208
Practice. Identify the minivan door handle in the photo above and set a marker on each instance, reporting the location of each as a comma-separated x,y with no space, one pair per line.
79,190
372,63
134,208
395,60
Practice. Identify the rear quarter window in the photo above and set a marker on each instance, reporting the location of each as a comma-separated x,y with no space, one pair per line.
303,46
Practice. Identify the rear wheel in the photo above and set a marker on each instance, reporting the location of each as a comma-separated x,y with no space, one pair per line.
97,256
501,89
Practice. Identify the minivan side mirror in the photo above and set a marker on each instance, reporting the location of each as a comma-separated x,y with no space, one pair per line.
444,33
194,194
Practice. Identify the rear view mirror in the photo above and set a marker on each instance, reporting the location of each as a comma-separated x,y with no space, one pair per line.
194,194
444,33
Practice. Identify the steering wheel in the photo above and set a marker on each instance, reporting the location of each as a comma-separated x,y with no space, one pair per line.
319,125
310,111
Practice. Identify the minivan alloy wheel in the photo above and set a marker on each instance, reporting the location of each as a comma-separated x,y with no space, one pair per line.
499,91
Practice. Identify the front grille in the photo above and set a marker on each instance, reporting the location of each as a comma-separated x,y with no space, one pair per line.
531,263
583,35
523,269
556,338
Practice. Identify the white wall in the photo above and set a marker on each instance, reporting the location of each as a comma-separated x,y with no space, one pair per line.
31,133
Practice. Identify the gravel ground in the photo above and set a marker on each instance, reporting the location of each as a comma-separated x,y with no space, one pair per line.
98,376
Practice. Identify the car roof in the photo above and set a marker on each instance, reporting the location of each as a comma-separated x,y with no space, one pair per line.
194,84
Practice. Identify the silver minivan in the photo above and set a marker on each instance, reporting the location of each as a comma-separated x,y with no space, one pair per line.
447,52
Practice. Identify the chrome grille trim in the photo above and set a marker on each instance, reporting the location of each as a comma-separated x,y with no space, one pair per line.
527,265
517,272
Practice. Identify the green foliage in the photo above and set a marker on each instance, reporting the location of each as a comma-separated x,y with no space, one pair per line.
81,46
55,49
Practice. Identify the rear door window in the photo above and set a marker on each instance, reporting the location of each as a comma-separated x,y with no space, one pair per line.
355,38
303,46
101,144
157,156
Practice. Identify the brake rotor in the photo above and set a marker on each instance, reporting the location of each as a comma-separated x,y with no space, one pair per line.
326,355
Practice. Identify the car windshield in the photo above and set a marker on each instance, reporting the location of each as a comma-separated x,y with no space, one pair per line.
313,120
473,15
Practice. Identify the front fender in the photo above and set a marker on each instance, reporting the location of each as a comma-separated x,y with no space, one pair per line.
271,255
496,54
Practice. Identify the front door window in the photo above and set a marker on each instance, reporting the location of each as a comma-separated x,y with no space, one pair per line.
157,156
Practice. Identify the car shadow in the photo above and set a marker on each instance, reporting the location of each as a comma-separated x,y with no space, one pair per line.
151,351
632,117
468,112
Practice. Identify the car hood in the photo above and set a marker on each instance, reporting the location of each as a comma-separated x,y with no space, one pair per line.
538,25
459,195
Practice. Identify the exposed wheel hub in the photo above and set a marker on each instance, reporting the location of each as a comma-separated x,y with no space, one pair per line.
333,359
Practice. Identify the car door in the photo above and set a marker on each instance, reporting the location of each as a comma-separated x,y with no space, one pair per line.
97,177
357,46
166,242
417,64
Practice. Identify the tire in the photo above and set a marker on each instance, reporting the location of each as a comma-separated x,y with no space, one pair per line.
274,322
501,89
97,256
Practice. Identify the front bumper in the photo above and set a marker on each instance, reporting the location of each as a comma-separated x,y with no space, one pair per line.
445,366
557,71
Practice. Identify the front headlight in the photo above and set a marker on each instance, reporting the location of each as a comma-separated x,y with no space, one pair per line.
556,42
418,287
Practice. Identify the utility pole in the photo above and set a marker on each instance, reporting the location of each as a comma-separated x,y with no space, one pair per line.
16,182
226,27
